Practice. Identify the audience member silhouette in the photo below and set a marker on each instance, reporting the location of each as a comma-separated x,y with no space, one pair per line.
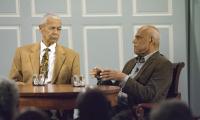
32,114
171,110
93,105
125,115
9,97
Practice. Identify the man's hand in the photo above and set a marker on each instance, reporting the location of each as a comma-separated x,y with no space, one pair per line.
112,75
95,72
20,83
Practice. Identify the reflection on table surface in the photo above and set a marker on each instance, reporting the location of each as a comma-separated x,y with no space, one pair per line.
59,96
61,88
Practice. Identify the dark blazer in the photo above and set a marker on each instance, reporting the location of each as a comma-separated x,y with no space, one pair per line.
27,60
152,82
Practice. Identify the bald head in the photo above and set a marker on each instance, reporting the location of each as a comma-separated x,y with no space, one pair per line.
146,40
153,33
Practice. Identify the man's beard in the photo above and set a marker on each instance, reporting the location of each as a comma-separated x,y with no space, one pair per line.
53,39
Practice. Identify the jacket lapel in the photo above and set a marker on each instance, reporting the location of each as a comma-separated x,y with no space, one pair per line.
59,61
35,58
129,66
147,63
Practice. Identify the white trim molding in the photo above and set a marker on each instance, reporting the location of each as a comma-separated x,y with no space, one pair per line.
117,13
15,14
169,11
34,29
120,45
69,37
67,10
17,28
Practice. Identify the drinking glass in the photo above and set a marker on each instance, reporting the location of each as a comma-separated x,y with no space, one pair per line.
35,80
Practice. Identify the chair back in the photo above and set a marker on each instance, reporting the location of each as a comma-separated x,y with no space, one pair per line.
141,109
173,90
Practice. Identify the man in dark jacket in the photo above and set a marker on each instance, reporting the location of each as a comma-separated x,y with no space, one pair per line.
145,78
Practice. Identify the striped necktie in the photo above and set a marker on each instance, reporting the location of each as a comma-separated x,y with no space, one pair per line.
44,63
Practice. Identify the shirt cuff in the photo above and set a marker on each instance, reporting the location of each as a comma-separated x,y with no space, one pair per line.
122,84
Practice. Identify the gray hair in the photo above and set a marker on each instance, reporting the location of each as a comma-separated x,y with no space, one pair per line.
9,97
47,16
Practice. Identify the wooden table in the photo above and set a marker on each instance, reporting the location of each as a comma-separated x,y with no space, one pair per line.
59,96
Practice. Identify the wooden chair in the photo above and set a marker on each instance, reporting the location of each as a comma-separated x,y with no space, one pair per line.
141,109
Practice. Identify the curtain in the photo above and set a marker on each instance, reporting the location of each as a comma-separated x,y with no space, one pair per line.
194,55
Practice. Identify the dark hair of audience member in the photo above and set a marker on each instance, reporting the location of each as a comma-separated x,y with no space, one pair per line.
171,110
9,97
93,105
32,114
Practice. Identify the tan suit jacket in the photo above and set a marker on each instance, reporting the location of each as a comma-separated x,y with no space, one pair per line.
26,63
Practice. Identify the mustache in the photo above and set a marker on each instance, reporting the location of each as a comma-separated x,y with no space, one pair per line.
53,38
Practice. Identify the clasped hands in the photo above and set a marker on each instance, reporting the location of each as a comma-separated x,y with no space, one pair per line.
107,74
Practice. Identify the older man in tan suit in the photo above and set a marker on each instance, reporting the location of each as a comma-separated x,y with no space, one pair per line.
62,62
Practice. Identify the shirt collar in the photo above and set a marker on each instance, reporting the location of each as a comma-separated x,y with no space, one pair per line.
141,59
51,47
149,55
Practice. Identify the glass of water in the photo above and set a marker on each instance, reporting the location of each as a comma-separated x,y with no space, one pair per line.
78,80
35,80
41,79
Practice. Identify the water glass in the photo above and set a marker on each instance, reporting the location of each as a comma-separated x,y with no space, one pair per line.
35,80
78,80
